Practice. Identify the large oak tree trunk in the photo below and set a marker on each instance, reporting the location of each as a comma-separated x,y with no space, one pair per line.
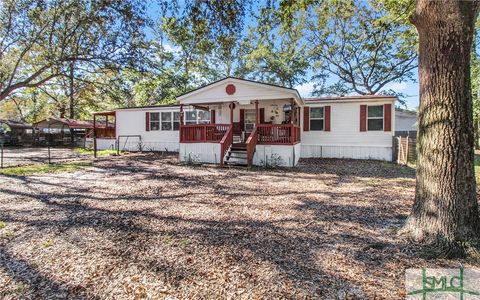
445,211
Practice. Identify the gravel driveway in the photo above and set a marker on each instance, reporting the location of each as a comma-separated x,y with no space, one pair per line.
144,227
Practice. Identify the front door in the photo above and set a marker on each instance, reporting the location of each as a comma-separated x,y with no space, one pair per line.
249,120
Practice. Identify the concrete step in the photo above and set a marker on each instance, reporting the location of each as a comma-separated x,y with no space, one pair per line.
236,153
236,161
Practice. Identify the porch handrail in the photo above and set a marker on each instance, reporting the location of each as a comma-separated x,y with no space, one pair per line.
251,145
226,142
278,134
199,133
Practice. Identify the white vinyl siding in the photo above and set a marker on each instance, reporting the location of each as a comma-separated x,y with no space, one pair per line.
129,125
346,140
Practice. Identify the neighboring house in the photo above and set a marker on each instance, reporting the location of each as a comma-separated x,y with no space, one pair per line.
15,132
245,122
405,122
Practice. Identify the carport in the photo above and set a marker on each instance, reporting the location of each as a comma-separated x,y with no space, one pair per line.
65,131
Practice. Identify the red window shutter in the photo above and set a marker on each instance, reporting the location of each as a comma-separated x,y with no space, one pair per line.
363,118
327,110
212,116
242,119
306,118
262,115
387,117
147,121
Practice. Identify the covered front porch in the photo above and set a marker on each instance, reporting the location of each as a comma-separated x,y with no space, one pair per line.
239,127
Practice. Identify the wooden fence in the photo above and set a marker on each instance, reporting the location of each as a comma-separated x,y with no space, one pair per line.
405,150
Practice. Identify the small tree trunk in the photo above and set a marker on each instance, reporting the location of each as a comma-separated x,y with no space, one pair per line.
72,101
445,211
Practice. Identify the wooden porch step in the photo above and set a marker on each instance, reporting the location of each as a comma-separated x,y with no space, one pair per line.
237,139
239,146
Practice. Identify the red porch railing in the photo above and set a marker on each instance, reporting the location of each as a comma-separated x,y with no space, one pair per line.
251,144
225,143
203,133
278,134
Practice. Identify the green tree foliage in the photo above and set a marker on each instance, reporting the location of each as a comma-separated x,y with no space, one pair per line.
80,56
39,40
277,52
206,37
362,45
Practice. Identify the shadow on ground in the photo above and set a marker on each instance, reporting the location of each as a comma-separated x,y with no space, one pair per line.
320,230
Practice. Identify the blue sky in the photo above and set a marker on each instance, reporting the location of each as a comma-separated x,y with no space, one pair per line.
409,89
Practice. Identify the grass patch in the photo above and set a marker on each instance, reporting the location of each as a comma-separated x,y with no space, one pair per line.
477,169
2,225
85,151
9,234
44,168
48,243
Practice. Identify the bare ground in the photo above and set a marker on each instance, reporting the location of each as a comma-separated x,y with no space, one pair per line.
142,226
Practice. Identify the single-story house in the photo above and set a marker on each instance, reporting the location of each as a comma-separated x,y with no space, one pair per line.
405,122
240,121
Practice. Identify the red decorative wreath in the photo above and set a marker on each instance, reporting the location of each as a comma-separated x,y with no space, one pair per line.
230,89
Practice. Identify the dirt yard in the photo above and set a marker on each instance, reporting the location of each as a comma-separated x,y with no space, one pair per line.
142,226
20,156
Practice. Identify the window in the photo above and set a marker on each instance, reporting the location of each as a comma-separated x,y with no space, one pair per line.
203,116
170,121
191,117
197,117
375,118
176,121
167,121
155,121
316,118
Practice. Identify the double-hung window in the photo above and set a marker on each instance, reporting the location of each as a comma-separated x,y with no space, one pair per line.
375,118
167,120
154,121
170,121
317,119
